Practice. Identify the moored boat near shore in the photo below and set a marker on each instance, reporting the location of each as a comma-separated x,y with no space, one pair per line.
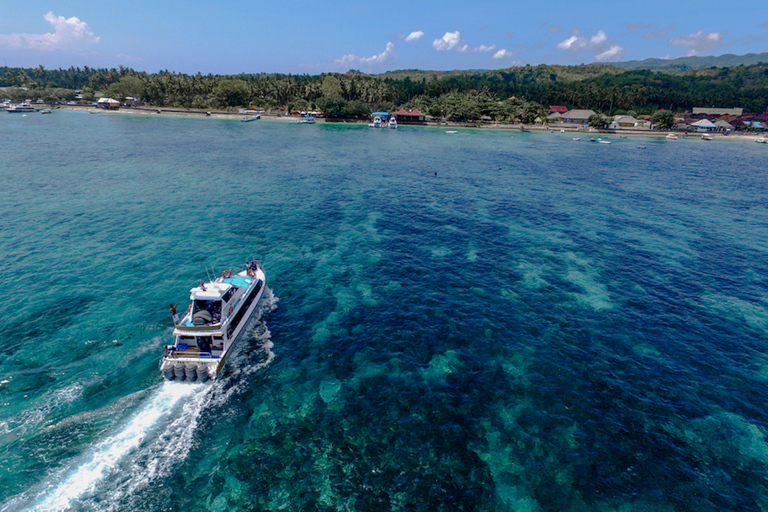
20,108
216,318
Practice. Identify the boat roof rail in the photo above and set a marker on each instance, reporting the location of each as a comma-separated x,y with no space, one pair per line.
197,330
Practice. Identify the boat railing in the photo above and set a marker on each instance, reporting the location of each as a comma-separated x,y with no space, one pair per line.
193,353
198,328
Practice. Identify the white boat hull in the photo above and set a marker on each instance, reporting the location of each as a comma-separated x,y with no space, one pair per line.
182,362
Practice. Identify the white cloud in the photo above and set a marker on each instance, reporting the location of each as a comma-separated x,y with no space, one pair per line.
414,36
69,34
599,43
452,41
599,38
699,42
476,49
613,53
448,42
384,56
503,54
573,43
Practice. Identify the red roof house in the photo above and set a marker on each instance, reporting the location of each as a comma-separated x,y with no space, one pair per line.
414,116
554,109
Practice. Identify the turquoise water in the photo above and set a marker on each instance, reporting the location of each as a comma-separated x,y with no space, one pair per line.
489,320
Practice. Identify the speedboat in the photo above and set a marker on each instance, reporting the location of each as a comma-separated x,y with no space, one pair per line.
706,137
252,118
376,122
601,141
215,319
762,140
45,111
451,131
306,120
392,123
671,136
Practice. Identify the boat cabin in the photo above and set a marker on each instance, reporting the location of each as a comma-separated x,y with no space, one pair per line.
216,310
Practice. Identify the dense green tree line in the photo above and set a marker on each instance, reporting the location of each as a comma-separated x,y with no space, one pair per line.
505,95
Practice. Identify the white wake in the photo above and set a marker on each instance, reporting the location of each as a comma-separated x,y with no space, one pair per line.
150,443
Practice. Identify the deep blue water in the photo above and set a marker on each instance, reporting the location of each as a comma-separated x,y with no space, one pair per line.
490,320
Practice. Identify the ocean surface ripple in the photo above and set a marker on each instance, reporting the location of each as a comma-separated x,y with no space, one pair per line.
467,322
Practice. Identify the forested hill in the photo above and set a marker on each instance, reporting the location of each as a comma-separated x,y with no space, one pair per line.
513,93
679,65
562,73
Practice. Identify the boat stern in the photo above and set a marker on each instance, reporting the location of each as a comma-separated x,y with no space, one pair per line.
190,369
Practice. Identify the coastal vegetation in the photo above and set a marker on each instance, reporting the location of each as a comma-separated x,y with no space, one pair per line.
506,95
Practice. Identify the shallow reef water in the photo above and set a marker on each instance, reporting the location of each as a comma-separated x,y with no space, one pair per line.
470,322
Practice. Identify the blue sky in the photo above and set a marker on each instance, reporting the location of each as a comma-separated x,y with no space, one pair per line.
234,36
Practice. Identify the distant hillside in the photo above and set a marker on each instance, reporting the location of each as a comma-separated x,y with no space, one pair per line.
420,74
531,73
682,64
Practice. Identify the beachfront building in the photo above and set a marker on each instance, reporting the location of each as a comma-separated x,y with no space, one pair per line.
724,126
624,122
555,117
578,116
108,103
557,109
701,112
404,116
704,125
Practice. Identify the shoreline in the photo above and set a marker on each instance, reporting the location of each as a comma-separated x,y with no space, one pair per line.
558,128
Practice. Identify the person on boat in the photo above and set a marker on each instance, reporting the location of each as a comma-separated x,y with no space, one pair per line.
174,314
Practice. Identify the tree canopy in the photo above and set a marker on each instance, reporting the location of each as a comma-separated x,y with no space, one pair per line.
506,95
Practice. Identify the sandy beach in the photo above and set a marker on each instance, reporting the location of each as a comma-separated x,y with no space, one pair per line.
559,128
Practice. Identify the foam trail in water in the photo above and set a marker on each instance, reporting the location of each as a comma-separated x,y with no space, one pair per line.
99,461
152,441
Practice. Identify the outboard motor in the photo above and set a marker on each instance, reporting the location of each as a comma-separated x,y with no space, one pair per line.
178,370
191,372
202,372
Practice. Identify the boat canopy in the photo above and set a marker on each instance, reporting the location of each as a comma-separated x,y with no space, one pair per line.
210,291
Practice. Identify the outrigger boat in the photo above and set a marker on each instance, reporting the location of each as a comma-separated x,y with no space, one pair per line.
206,335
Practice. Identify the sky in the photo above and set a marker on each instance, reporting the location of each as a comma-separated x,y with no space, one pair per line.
374,36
